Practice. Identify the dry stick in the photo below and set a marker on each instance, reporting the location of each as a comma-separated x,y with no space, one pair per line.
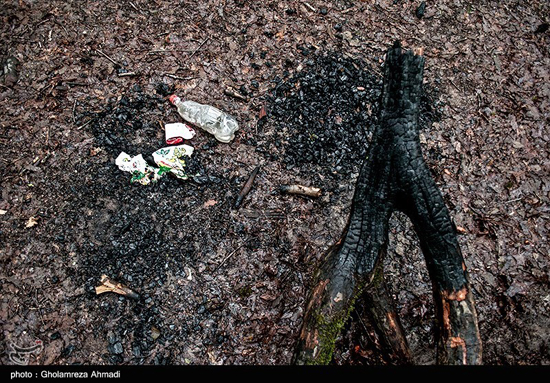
199,47
310,7
178,77
231,254
75,83
109,285
74,108
107,57
232,93
136,8
246,188
85,124
301,190
158,51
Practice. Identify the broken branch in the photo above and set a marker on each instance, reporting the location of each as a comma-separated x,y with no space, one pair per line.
109,285
300,190
246,188
232,93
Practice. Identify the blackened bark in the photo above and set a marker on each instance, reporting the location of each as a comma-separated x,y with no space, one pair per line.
380,312
394,177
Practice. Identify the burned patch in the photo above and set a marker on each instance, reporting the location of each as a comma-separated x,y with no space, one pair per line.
325,114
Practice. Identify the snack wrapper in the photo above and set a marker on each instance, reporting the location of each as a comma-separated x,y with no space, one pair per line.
142,173
172,159
177,132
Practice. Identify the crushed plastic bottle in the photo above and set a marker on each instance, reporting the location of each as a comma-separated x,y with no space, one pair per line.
213,120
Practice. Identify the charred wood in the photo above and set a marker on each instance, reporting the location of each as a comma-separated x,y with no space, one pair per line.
393,178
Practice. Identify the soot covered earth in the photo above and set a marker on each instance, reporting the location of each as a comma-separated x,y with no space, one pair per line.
319,123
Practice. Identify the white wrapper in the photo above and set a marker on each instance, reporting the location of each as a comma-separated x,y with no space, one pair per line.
177,132
173,159
141,172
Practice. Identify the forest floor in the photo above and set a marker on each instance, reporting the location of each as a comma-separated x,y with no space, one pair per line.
225,285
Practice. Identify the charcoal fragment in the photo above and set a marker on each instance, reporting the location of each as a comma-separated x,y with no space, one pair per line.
542,28
421,10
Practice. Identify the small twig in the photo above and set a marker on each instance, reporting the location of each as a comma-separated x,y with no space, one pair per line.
157,51
109,285
107,57
246,188
457,88
514,200
231,254
232,93
74,108
127,74
200,46
352,8
81,126
309,6
75,83
136,8
178,77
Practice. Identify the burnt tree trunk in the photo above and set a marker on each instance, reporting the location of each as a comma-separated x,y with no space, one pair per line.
394,177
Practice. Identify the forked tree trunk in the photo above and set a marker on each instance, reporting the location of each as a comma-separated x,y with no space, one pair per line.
394,177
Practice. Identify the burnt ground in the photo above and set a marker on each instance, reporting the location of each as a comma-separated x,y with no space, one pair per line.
220,285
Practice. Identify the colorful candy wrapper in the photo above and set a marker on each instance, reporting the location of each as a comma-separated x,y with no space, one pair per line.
172,159
142,173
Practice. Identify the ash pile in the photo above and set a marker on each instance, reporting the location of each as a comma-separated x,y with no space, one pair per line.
324,115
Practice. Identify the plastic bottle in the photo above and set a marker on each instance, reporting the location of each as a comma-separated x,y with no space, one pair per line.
213,120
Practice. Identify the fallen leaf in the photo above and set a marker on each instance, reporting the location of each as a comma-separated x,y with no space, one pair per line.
155,332
262,113
461,230
267,297
31,222
2,212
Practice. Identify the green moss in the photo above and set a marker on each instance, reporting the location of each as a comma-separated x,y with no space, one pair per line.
328,332
330,329
245,291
